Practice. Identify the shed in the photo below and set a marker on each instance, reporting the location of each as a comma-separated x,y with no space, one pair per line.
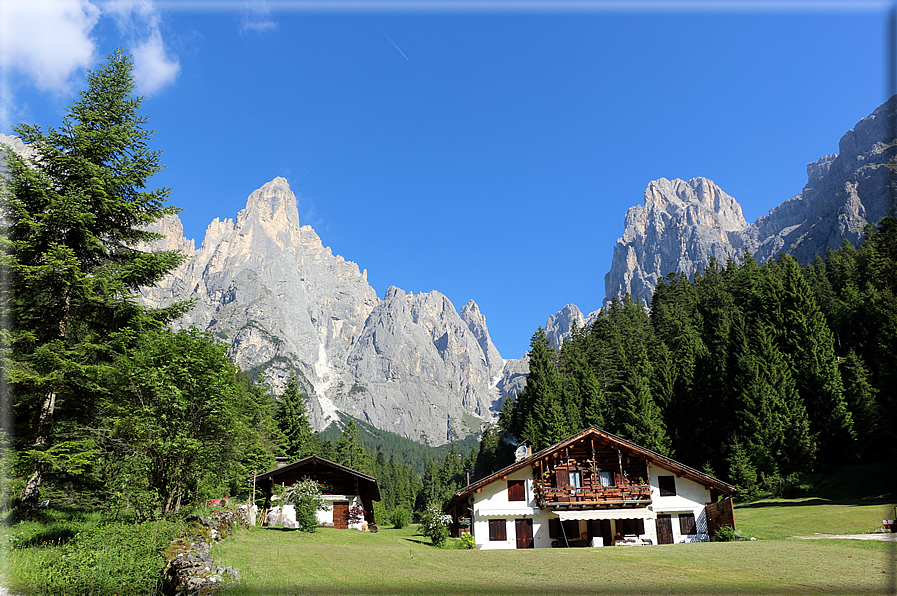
341,487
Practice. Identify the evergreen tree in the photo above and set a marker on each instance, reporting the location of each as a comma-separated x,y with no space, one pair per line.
349,451
538,413
810,344
73,218
487,456
292,419
642,419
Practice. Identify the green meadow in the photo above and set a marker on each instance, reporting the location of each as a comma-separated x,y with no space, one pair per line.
282,562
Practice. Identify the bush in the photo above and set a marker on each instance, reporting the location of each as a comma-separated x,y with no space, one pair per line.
787,487
434,525
726,534
305,495
400,518
468,541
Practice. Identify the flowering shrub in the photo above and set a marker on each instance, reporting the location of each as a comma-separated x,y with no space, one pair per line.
306,496
467,540
356,513
434,525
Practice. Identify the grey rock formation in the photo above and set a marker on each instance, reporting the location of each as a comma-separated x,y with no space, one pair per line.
282,301
682,224
560,324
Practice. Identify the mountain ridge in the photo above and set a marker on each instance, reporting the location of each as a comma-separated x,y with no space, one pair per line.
681,225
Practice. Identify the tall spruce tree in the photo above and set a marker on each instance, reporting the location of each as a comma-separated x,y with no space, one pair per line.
73,217
349,450
538,412
807,339
292,419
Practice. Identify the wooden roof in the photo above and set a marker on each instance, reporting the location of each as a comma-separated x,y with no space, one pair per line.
320,468
624,445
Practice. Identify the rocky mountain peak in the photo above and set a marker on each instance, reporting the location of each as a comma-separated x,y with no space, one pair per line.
273,203
679,227
284,303
701,198
476,322
683,224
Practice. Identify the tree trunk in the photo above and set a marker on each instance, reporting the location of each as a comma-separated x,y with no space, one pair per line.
44,423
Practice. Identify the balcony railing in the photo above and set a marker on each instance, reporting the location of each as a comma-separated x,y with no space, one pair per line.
611,495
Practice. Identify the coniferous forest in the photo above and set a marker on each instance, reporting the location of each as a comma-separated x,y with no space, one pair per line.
756,374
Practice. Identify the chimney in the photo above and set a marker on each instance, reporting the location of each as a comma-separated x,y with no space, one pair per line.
281,461
524,450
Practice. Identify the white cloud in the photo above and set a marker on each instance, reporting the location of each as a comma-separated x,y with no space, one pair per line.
48,41
255,18
154,66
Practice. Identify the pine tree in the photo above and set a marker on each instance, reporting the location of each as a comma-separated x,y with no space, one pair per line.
349,451
642,419
292,419
538,412
810,344
73,218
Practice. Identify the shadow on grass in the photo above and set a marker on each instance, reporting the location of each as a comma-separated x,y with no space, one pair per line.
55,536
423,541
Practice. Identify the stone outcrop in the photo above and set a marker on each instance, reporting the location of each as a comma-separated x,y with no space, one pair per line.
682,224
559,325
190,569
283,302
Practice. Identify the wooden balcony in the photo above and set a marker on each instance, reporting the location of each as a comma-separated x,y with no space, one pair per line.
593,497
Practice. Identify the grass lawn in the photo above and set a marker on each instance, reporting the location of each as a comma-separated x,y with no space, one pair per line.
282,562
778,519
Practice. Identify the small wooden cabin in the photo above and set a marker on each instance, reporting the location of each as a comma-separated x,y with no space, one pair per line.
341,487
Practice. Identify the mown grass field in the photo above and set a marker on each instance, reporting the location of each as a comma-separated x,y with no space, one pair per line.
280,563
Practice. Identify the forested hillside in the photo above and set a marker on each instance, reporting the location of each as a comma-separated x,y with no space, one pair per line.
755,374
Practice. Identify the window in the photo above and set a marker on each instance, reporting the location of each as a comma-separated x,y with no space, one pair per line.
575,479
517,490
628,527
606,479
687,524
667,486
497,529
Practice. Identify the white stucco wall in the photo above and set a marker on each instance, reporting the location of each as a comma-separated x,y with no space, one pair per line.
492,503
690,498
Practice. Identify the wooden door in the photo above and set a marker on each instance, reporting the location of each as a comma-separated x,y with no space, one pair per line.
524,530
664,526
341,516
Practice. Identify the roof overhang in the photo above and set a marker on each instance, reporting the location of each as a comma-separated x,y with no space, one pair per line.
507,512
634,513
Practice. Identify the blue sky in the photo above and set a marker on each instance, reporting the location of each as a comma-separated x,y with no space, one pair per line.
484,149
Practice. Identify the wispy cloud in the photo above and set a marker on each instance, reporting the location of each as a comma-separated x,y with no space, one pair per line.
47,41
256,18
140,22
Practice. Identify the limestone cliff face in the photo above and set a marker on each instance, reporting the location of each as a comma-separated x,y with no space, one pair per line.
282,301
682,224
